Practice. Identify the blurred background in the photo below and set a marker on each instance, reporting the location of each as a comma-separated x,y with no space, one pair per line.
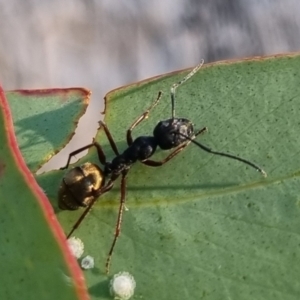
104,44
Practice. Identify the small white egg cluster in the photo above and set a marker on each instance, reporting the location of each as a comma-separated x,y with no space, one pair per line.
87,262
76,246
122,286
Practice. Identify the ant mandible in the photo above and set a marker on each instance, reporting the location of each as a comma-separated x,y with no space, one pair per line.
81,186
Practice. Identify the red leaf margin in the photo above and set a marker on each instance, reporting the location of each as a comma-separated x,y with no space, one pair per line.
43,202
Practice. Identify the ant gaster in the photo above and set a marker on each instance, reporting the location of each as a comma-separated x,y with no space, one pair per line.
174,133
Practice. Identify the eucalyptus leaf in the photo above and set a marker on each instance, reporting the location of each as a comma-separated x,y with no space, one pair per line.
204,226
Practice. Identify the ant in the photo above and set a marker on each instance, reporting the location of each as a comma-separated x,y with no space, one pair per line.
81,186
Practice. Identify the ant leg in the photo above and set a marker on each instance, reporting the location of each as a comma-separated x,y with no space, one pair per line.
154,163
119,221
109,137
101,155
87,210
142,117
176,85
100,152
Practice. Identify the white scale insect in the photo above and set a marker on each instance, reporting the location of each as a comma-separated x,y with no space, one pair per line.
122,286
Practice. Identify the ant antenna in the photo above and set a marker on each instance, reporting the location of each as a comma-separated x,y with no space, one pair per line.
226,155
175,85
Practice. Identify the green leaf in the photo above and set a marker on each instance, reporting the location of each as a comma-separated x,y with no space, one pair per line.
35,260
204,226
38,114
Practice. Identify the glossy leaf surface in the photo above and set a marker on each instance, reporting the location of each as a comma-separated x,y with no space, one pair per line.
204,226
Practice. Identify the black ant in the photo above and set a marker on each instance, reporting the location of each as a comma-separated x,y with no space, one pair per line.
82,185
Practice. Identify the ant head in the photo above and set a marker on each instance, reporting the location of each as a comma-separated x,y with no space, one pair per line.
173,132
